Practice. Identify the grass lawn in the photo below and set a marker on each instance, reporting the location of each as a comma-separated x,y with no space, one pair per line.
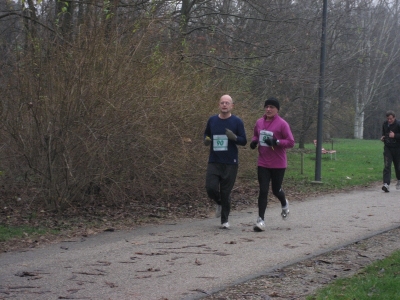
358,163
380,281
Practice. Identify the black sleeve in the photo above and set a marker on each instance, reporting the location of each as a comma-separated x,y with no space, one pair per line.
397,132
383,128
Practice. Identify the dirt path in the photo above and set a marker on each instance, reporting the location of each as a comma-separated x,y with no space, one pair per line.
192,258
302,279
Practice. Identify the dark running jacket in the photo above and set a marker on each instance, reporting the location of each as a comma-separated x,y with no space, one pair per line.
395,127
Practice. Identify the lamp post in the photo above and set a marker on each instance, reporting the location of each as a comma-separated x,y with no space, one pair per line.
321,96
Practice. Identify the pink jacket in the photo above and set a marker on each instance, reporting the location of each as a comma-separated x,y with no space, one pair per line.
273,157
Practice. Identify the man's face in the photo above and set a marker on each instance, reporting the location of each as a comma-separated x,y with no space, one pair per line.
390,119
225,105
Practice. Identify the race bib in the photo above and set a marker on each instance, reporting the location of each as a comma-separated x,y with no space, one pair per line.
265,134
220,142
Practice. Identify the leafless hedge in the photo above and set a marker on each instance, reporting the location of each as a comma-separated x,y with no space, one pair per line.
105,120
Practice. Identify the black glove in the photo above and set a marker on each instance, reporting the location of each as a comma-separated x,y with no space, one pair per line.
230,134
271,141
253,144
207,141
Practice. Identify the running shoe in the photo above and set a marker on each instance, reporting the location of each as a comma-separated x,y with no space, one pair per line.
225,225
385,188
285,211
260,225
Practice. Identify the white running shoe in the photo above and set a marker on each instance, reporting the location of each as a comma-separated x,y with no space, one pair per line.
285,211
385,188
218,211
225,225
398,185
260,225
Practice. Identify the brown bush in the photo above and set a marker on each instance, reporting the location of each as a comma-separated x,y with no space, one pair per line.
105,122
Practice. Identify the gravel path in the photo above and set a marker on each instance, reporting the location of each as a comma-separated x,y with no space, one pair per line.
302,279
193,259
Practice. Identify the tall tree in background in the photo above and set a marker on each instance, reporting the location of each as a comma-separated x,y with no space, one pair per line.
368,41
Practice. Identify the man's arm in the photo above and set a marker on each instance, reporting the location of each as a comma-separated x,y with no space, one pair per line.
397,131
241,134
207,134
383,132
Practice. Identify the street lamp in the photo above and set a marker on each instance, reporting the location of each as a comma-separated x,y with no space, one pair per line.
321,96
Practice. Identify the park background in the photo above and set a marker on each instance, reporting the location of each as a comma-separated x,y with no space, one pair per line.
104,103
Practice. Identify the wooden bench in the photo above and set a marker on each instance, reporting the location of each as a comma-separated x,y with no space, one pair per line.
324,151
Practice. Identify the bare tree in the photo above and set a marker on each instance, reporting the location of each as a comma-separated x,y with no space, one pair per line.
370,47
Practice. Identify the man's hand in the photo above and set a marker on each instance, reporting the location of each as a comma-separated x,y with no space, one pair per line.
207,141
253,145
230,134
271,141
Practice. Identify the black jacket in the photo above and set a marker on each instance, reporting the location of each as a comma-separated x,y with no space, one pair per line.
395,127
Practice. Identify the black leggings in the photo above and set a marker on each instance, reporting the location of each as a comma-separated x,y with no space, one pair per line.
265,176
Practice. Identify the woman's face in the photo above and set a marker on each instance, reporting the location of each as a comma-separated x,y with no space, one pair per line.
270,111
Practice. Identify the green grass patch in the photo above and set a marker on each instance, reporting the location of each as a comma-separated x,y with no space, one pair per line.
380,280
9,232
358,162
